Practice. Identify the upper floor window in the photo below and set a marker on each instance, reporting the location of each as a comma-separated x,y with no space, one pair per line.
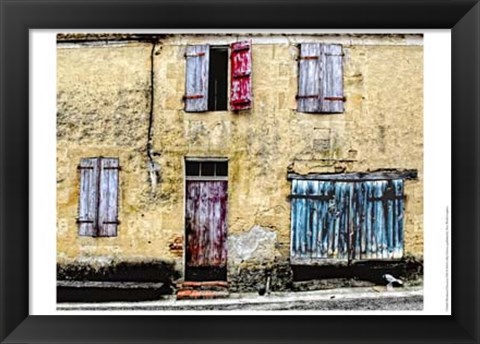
320,78
206,83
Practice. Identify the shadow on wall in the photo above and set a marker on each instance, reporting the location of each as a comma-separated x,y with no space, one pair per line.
117,282
81,295
369,271
156,271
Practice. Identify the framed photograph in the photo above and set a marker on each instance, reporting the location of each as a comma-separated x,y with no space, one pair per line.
181,164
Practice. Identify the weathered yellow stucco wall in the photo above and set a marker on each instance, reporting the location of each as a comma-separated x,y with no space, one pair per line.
104,108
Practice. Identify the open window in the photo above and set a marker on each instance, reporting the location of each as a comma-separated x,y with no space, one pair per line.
218,79
207,77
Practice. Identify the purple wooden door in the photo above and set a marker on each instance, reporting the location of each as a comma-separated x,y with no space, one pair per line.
206,224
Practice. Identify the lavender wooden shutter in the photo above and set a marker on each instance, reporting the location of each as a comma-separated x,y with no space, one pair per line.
196,84
241,76
108,204
309,78
88,200
331,99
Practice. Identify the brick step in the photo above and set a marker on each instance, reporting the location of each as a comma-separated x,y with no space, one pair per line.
191,290
202,285
188,294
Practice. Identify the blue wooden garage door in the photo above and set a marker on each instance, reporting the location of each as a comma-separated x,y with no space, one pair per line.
346,220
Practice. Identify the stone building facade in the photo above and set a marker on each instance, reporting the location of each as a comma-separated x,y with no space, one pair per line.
123,105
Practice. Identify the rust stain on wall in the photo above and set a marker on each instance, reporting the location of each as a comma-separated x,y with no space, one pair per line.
176,246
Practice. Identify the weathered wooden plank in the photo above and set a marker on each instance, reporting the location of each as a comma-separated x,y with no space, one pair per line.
316,222
108,203
302,224
357,231
293,221
357,176
399,208
342,219
389,226
313,190
381,218
362,200
88,198
332,217
196,80
331,94
309,78
241,76
206,223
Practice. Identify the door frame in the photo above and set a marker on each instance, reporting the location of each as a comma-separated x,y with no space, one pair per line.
200,178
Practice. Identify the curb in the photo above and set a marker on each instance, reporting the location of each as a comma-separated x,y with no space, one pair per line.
251,299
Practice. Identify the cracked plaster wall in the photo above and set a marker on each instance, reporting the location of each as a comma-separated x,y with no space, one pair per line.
103,109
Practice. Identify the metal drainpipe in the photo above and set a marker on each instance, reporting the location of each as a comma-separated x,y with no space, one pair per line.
151,164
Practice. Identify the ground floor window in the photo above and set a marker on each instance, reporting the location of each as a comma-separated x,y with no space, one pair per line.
346,220
98,197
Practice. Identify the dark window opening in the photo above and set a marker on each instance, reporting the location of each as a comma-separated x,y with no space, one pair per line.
192,168
221,169
206,168
218,79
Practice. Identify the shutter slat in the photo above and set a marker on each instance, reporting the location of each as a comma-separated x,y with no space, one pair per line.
108,205
88,197
196,81
309,78
331,100
241,76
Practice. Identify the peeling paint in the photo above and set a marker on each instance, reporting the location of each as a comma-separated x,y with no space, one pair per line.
257,244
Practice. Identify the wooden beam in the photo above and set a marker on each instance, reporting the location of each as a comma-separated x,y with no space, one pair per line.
357,176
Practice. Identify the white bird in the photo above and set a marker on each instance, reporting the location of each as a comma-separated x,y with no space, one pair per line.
390,279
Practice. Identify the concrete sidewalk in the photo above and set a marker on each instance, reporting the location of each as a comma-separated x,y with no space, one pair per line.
325,299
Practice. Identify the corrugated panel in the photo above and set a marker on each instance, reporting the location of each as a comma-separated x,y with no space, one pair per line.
206,223
347,220
241,76
196,81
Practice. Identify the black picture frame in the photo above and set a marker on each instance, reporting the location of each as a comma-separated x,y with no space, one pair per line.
17,17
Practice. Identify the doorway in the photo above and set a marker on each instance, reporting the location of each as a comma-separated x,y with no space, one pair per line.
206,195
